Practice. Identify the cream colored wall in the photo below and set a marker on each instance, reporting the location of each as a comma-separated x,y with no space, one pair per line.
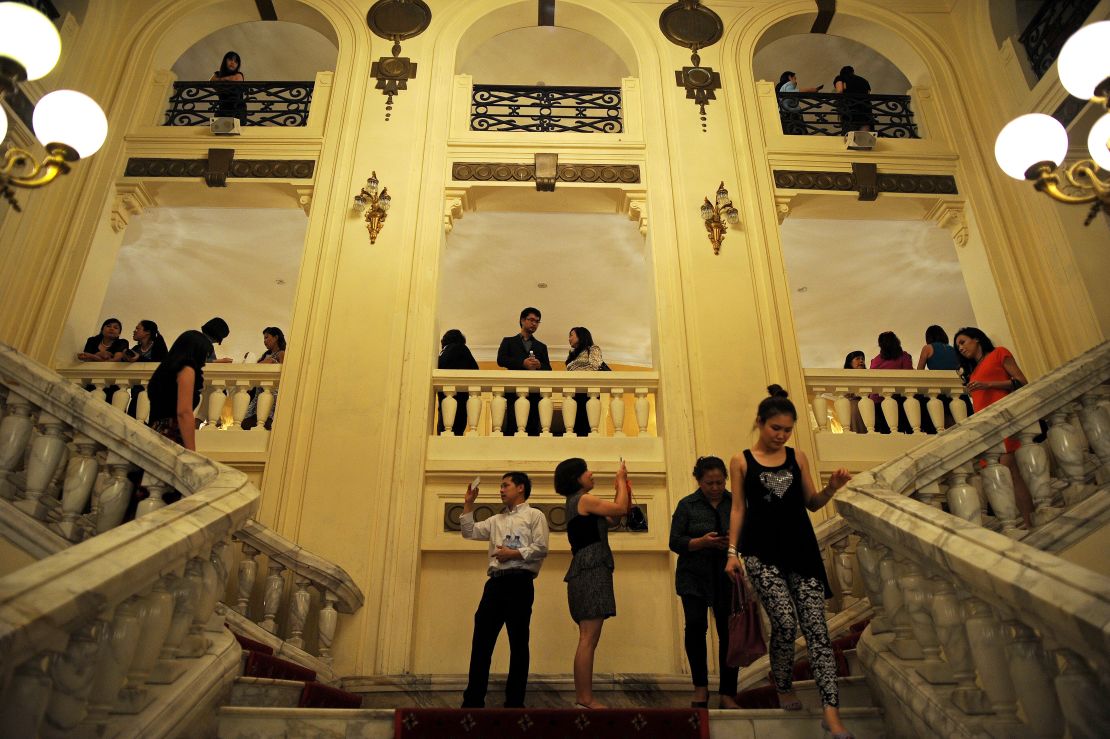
347,472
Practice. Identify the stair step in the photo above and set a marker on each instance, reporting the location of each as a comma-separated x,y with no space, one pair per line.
854,693
265,692
854,667
266,665
864,723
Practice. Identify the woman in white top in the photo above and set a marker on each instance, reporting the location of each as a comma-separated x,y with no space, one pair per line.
584,355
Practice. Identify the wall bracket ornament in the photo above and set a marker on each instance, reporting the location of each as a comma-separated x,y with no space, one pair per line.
131,199
690,24
396,20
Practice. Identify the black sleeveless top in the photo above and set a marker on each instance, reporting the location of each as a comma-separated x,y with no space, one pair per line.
777,528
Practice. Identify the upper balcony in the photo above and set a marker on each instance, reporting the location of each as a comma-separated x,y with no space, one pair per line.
251,103
833,114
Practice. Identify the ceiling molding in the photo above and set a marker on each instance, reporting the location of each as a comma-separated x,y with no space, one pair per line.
156,167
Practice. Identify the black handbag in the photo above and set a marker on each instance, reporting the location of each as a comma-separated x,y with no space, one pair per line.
635,520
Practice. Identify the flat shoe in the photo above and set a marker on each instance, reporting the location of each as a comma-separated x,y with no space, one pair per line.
792,705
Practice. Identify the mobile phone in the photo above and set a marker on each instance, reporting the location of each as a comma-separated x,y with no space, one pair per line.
476,482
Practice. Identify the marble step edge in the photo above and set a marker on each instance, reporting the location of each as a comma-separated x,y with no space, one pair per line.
387,714
282,649
603,682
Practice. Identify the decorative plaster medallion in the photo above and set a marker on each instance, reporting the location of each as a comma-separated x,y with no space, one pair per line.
690,24
396,20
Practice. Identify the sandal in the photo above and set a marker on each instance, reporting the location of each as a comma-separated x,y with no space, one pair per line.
791,705
836,734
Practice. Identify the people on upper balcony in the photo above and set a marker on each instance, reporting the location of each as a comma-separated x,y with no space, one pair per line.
699,536
107,346
174,388
937,354
455,355
231,69
523,351
789,108
150,346
769,526
891,355
217,330
590,576
855,113
584,355
991,373
855,360
273,340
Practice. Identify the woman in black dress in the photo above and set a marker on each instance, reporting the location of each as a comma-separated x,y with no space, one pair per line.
106,346
149,344
455,355
590,576
771,491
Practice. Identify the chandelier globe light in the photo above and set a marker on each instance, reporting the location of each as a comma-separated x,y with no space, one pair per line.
29,44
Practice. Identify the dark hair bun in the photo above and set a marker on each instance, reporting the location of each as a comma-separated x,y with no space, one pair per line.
777,391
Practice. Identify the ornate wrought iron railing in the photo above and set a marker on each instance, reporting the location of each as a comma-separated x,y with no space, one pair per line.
548,109
1050,28
253,103
834,114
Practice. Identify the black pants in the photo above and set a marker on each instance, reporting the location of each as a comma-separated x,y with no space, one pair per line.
506,601
696,613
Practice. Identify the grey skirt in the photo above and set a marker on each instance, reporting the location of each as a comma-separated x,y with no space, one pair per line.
590,594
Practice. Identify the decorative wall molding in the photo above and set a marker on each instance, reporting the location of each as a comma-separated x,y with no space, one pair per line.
130,199
517,172
304,198
455,203
782,206
909,184
294,169
555,513
951,215
635,206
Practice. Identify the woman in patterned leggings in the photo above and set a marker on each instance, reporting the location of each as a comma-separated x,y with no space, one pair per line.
771,491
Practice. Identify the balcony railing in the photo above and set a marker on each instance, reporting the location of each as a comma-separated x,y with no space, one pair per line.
834,114
851,401
1050,28
253,103
546,109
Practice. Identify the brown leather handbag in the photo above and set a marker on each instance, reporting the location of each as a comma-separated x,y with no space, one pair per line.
745,632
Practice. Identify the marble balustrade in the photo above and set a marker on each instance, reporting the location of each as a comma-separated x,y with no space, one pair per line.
228,389
836,396
617,403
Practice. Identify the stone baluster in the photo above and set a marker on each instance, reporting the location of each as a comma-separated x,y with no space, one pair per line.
122,397
593,409
894,608
72,675
299,602
546,411
520,411
264,405
889,407
867,410
1032,676
1070,454
156,614
1034,468
570,413
222,558
473,409
271,600
999,488
186,595
842,406
202,572
934,406
988,652
240,401
325,626
26,697
47,452
77,488
820,404
616,410
918,594
963,498
217,396
142,405
869,554
497,406
248,570
100,390
15,432
110,502
931,495
845,574
448,408
3,402
156,498
912,407
958,408
1082,697
643,409
117,650
949,624
1096,422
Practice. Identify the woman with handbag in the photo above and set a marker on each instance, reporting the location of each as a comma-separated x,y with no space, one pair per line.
698,537
771,492
590,576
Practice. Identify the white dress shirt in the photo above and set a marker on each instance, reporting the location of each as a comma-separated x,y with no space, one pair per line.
522,528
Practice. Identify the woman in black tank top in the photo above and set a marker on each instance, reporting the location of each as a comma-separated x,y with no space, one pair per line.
771,492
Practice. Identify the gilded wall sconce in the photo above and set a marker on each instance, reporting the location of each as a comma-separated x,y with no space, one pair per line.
711,213
375,205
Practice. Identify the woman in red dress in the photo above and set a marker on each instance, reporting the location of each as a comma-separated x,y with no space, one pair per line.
990,374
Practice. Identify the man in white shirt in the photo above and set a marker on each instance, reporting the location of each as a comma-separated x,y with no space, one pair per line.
517,539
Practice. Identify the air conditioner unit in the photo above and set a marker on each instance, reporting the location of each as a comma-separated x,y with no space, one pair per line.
860,140
225,126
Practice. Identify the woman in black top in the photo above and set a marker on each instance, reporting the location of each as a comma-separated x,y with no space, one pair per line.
455,355
106,346
590,576
772,490
699,537
174,389
149,344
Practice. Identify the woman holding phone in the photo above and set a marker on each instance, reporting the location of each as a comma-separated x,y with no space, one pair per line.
590,576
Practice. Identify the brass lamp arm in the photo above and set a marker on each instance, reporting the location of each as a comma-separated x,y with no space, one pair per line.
20,169
1083,175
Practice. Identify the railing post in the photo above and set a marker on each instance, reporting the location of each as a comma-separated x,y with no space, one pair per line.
298,611
616,410
47,451
185,599
216,399
110,504
869,554
820,409
935,408
919,595
949,624
72,676
912,407
593,409
642,410
984,635
497,407
1096,422
1070,453
570,412
1082,697
325,626
845,574
999,488
1033,465
520,411
15,432
546,411
77,488
248,570
1033,680
842,406
156,497
114,659
894,607
447,410
156,613
473,409
27,696
867,410
963,498
271,601
264,405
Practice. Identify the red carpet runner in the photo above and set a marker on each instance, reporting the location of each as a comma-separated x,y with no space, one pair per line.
551,723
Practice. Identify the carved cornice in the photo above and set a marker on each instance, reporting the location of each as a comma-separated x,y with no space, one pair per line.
555,513
513,172
130,199
920,184
150,167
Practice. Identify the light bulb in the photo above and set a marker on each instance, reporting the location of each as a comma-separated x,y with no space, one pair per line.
3,124
1027,140
706,210
1098,142
71,118
29,38
1084,60
733,216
